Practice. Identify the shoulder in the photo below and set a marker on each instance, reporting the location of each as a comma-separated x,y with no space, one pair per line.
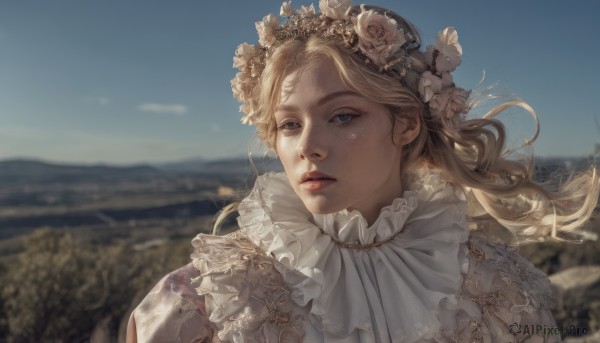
504,297
495,266
245,294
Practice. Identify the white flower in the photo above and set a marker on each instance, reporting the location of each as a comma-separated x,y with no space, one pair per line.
307,10
335,9
287,10
450,50
378,36
449,102
429,85
266,29
237,86
243,55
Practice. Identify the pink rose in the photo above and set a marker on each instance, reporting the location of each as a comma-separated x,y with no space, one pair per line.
378,36
335,9
449,102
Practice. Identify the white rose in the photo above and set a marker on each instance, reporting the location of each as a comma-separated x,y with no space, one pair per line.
266,29
307,10
378,36
243,55
450,50
429,85
287,10
335,9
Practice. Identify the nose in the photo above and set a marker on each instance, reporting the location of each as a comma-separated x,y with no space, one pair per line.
313,143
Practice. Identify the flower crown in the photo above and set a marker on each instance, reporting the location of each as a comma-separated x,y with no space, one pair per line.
368,31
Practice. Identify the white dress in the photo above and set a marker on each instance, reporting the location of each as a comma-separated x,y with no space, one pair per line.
417,274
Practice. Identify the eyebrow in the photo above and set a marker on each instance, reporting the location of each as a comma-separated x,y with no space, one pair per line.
334,95
321,101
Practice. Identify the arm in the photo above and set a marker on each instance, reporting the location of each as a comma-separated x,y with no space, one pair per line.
171,312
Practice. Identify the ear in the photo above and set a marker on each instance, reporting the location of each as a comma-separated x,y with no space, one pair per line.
406,128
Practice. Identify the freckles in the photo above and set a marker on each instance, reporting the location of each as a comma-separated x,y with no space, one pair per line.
352,136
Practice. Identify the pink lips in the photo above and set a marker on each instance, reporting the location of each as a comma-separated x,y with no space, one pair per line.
314,181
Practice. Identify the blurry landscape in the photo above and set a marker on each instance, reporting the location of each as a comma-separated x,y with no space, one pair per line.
81,245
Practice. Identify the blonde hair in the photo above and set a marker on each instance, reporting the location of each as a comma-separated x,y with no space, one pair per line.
471,153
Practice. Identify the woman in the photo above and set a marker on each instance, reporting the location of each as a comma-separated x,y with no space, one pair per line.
376,230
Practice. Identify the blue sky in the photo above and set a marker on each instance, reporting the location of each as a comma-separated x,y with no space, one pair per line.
146,80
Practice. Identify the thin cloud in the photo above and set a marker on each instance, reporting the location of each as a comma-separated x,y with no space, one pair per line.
175,109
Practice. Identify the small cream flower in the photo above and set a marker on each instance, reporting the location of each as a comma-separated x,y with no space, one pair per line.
248,118
449,102
378,36
239,86
243,55
335,9
287,10
429,85
306,11
450,50
266,28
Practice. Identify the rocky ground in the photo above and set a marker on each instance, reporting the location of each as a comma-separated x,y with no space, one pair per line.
574,272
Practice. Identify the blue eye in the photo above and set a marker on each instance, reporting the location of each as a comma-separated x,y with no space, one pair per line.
343,117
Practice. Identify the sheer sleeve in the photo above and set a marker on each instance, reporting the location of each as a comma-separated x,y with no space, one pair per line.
171,312
504,298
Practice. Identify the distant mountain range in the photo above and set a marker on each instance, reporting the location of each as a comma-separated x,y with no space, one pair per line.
227,165
29,170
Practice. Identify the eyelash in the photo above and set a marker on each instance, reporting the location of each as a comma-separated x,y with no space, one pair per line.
284,126
352,117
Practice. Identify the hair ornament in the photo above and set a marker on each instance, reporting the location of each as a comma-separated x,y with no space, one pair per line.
375,34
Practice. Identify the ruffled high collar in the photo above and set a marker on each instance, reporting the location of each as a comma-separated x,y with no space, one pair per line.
388,293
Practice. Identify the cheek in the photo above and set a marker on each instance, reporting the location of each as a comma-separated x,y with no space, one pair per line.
285,151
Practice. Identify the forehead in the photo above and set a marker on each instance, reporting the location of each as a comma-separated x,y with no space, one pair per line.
314,79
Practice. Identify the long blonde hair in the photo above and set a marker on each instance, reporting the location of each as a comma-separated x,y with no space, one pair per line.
471,152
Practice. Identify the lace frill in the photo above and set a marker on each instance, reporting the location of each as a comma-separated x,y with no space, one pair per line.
246,298
389,293
280,279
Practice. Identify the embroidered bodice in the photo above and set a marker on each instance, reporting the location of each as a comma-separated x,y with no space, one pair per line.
415,275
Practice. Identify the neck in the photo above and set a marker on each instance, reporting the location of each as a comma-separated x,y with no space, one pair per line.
378,200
